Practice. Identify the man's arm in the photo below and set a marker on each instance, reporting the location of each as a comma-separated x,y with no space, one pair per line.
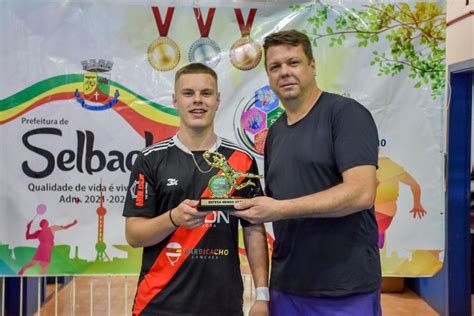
257,254
355,193
144,232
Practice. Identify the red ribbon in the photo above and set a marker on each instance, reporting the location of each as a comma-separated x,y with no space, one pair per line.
204,27
163,28
245,27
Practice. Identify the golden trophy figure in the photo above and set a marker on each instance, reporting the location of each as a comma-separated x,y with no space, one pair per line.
221,184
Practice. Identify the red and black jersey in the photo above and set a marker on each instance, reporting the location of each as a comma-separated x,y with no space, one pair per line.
191,272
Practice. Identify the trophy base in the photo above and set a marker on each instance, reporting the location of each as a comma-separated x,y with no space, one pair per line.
214,204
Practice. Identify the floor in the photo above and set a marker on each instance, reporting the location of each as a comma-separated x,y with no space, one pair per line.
105,296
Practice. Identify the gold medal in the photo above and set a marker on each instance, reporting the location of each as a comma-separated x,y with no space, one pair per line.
163,54
245,54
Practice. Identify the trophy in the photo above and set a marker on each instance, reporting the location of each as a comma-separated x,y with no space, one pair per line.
221,184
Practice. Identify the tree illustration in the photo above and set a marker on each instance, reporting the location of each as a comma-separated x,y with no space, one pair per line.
416,34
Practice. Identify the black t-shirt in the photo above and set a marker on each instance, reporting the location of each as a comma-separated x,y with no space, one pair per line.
322,256
208,279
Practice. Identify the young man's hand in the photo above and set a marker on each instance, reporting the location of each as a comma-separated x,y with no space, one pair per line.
260,308
186,215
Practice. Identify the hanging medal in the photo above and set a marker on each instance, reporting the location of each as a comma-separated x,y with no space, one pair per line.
246,53
163,53
205,50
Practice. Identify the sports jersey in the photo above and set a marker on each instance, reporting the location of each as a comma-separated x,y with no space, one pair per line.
191,272
322,256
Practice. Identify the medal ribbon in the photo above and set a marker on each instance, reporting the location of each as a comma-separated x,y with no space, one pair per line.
245,27
163,28
204,28
162,270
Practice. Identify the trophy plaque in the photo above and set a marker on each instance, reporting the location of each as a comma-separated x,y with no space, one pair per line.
222,184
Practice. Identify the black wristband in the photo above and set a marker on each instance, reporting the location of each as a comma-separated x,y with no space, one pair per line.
171,219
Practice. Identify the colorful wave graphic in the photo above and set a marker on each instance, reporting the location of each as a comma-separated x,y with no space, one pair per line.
142,114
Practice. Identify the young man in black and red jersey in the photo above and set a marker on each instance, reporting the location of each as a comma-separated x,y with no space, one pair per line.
190,260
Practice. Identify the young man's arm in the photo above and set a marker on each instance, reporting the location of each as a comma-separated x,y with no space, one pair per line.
257,254
355,193
144,225
144,232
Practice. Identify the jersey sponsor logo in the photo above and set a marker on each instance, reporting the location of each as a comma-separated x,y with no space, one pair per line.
172,182
206,253
217,217
139,200
139,190
253,118
173,252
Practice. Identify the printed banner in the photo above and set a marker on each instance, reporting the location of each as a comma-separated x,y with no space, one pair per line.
85,85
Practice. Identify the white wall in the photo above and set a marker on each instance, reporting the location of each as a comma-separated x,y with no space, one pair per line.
459,35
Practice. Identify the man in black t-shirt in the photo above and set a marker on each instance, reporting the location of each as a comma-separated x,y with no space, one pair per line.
190,263
320,163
